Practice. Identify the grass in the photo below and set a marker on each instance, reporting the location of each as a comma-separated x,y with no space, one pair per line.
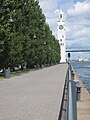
20,72
1,78
17,73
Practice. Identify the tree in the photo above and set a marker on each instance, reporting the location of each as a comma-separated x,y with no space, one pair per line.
25,37
12,45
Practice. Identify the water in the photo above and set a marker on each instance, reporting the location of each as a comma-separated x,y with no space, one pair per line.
83,71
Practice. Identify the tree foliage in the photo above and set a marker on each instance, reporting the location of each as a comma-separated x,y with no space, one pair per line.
25,37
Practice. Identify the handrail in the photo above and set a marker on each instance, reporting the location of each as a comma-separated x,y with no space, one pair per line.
62,102
71,110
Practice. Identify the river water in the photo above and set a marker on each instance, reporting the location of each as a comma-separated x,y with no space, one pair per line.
83,71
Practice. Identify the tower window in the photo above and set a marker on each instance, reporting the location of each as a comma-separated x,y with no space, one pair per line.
62,44
60,15
61,40
62,36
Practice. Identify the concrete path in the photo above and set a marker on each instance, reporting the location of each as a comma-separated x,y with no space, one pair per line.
83,106
33,96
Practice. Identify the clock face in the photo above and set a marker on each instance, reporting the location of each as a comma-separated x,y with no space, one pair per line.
61,27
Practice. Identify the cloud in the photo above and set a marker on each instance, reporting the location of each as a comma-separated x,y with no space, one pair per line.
78,24
80,9
77,18
49,8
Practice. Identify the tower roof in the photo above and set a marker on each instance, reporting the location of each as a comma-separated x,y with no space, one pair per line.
61,11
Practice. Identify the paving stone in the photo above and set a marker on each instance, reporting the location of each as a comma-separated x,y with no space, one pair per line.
33,96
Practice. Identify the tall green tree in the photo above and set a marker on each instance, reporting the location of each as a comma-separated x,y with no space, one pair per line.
12,45
25,37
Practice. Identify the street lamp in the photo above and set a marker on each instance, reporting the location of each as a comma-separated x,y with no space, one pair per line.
69,57
10,20
34,36
7,70
44,43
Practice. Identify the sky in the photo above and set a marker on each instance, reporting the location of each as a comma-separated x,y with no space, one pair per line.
77,20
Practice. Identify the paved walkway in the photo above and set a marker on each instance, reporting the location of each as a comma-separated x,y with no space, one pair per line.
83,106
33,96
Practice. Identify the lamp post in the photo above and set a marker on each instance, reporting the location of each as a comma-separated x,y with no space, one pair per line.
7,70
36,55
69,57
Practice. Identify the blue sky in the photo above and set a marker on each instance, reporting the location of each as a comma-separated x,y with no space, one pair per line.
77,1
77,18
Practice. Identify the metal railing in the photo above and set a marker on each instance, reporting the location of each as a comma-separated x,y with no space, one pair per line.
68,109
62,114
71,107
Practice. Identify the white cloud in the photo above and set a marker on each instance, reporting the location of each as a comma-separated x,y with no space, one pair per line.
49,8
77,17
78,23
80,8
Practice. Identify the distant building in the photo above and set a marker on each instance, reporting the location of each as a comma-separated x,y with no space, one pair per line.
81,59
61,36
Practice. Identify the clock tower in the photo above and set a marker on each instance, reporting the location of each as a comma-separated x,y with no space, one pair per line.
61,36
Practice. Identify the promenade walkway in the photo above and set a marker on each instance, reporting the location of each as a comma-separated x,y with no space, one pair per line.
33,96
83,106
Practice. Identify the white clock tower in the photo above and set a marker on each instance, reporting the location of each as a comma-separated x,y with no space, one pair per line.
61,36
